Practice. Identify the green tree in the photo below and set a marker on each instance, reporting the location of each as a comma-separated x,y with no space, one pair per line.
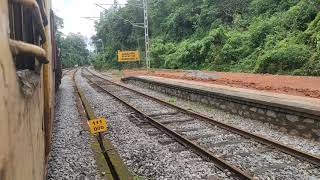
73,47
74,50
57,27
260,36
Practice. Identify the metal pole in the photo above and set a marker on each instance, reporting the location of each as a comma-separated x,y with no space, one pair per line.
146,28
146,32
115,4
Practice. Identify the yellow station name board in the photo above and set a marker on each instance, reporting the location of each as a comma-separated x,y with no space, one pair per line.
128,56
98,125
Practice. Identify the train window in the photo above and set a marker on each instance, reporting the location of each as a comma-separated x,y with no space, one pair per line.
27,20
22,29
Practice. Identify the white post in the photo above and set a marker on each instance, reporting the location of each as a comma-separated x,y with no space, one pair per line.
146,32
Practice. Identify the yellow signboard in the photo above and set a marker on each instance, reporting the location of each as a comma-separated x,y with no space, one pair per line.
98,125
128,56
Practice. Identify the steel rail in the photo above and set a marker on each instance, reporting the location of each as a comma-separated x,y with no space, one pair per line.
66,72
219,162
264,140
117,170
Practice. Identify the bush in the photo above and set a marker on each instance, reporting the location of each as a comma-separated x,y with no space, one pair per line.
259,30
312,67
247,64
267,36
285,58
263,6
237,47
158,51
298,17
192,53
312,35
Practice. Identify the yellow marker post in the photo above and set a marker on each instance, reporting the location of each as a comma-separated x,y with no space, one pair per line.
98,125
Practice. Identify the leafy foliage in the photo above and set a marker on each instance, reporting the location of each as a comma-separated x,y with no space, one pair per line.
115,32
58,25
283,59
260,36
73,47
74,50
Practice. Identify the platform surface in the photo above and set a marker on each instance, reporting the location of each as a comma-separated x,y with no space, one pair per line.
311,105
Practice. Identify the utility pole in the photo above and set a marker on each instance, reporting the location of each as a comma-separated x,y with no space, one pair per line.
115,4
146,32
139,25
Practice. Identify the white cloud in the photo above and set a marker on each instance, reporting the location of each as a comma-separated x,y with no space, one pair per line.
72,10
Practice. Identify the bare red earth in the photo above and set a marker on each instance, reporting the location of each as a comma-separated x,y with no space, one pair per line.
293,85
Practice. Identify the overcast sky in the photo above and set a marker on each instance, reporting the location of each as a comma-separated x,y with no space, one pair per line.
72,10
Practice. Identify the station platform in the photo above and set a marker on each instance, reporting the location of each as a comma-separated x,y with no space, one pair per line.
298,113
311,105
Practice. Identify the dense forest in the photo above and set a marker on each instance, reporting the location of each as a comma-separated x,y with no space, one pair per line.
73,47
260,36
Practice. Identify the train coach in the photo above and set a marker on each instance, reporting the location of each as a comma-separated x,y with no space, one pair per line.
30,73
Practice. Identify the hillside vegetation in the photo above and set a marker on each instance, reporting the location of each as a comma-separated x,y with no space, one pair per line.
72,47
260,36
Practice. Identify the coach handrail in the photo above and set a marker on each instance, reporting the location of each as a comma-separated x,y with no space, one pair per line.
20,47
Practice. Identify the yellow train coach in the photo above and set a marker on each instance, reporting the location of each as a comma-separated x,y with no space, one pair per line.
30,72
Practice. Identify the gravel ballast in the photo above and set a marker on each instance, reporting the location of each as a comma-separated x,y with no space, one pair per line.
71,155
253,126
144,154
289,168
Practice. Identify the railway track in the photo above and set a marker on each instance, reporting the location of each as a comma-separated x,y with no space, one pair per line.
246,155
66,72
114,168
